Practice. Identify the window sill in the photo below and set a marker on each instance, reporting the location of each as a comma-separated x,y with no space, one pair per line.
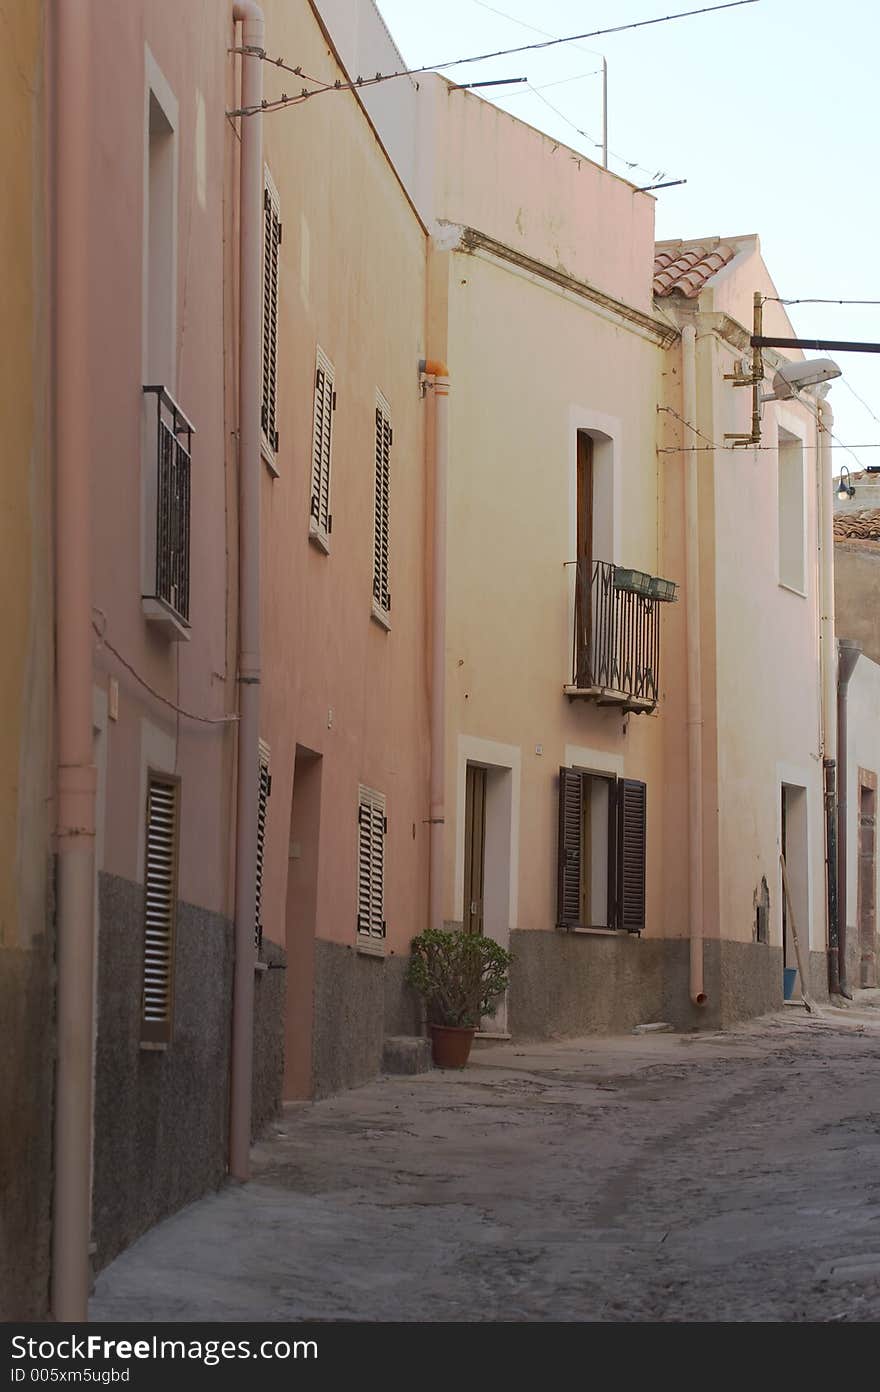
793,589
597,932
269,459
153,1046
381,616
370,947
161,616
260,967
318,537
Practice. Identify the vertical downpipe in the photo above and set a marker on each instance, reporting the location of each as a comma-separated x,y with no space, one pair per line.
440,373
828,670
247,802
694,670
73,654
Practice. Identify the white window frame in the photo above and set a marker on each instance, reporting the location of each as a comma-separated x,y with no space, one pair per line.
320,515
791,465
381,604
269,426
372,829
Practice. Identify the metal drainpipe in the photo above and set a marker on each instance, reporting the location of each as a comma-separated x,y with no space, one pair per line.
439,371
694,672
827,666
73,654
247,808
849,653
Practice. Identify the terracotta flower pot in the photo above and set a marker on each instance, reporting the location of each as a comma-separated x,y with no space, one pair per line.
451,1045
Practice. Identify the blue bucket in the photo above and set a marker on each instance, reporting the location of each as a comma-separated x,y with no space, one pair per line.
788,979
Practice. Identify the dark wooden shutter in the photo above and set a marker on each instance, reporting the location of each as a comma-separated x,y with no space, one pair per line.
568,893
381,524
631,854
322,444
262,814
271,244
160,909
372,829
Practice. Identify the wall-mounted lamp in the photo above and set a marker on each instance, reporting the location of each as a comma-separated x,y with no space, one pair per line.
845,489
793,377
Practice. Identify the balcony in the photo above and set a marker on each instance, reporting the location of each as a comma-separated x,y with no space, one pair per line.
165,595
616,645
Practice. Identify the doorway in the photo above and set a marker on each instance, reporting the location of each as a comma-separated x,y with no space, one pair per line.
486,906
794,831
301,915
474,847
867,882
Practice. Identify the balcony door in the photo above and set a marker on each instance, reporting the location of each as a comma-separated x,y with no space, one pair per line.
583,591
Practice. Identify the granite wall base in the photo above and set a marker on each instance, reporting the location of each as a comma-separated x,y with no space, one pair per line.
358,999
270,996
161,1116
566,984
26,1083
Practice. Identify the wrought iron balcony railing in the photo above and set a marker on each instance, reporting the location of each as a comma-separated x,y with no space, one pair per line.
168,561
616,647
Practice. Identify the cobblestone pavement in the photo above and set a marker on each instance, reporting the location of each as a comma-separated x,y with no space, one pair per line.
731,1176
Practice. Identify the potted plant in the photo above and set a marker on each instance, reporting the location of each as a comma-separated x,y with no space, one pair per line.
460,977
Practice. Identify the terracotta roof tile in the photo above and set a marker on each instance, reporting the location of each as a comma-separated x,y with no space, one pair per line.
684,270
857,526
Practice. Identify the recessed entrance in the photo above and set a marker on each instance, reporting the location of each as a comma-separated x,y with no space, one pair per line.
795,851
301,920
867,891
486,883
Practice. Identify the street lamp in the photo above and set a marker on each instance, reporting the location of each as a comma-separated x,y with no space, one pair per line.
845,489
791,378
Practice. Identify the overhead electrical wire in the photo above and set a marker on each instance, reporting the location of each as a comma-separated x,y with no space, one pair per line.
285,100
779,299
536,91
861,400
190,715
711,445
630,164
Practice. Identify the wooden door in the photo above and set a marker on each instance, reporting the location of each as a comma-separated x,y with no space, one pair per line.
474,847
583,592
867,883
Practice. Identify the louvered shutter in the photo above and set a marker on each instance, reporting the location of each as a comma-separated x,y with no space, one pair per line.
322,446
372,828
160,907
382,516
262,813
571,804
271,245
631,854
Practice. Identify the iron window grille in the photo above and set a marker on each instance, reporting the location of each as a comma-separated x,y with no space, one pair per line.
173,441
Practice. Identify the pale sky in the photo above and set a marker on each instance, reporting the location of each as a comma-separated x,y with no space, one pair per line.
769,111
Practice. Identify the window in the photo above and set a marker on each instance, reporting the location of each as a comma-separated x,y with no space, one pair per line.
601,851
262,813
165,590
372,829
320,517
271,245
384,440
792,568
160,233
160,908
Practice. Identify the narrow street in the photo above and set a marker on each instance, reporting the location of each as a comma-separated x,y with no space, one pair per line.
718,1176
